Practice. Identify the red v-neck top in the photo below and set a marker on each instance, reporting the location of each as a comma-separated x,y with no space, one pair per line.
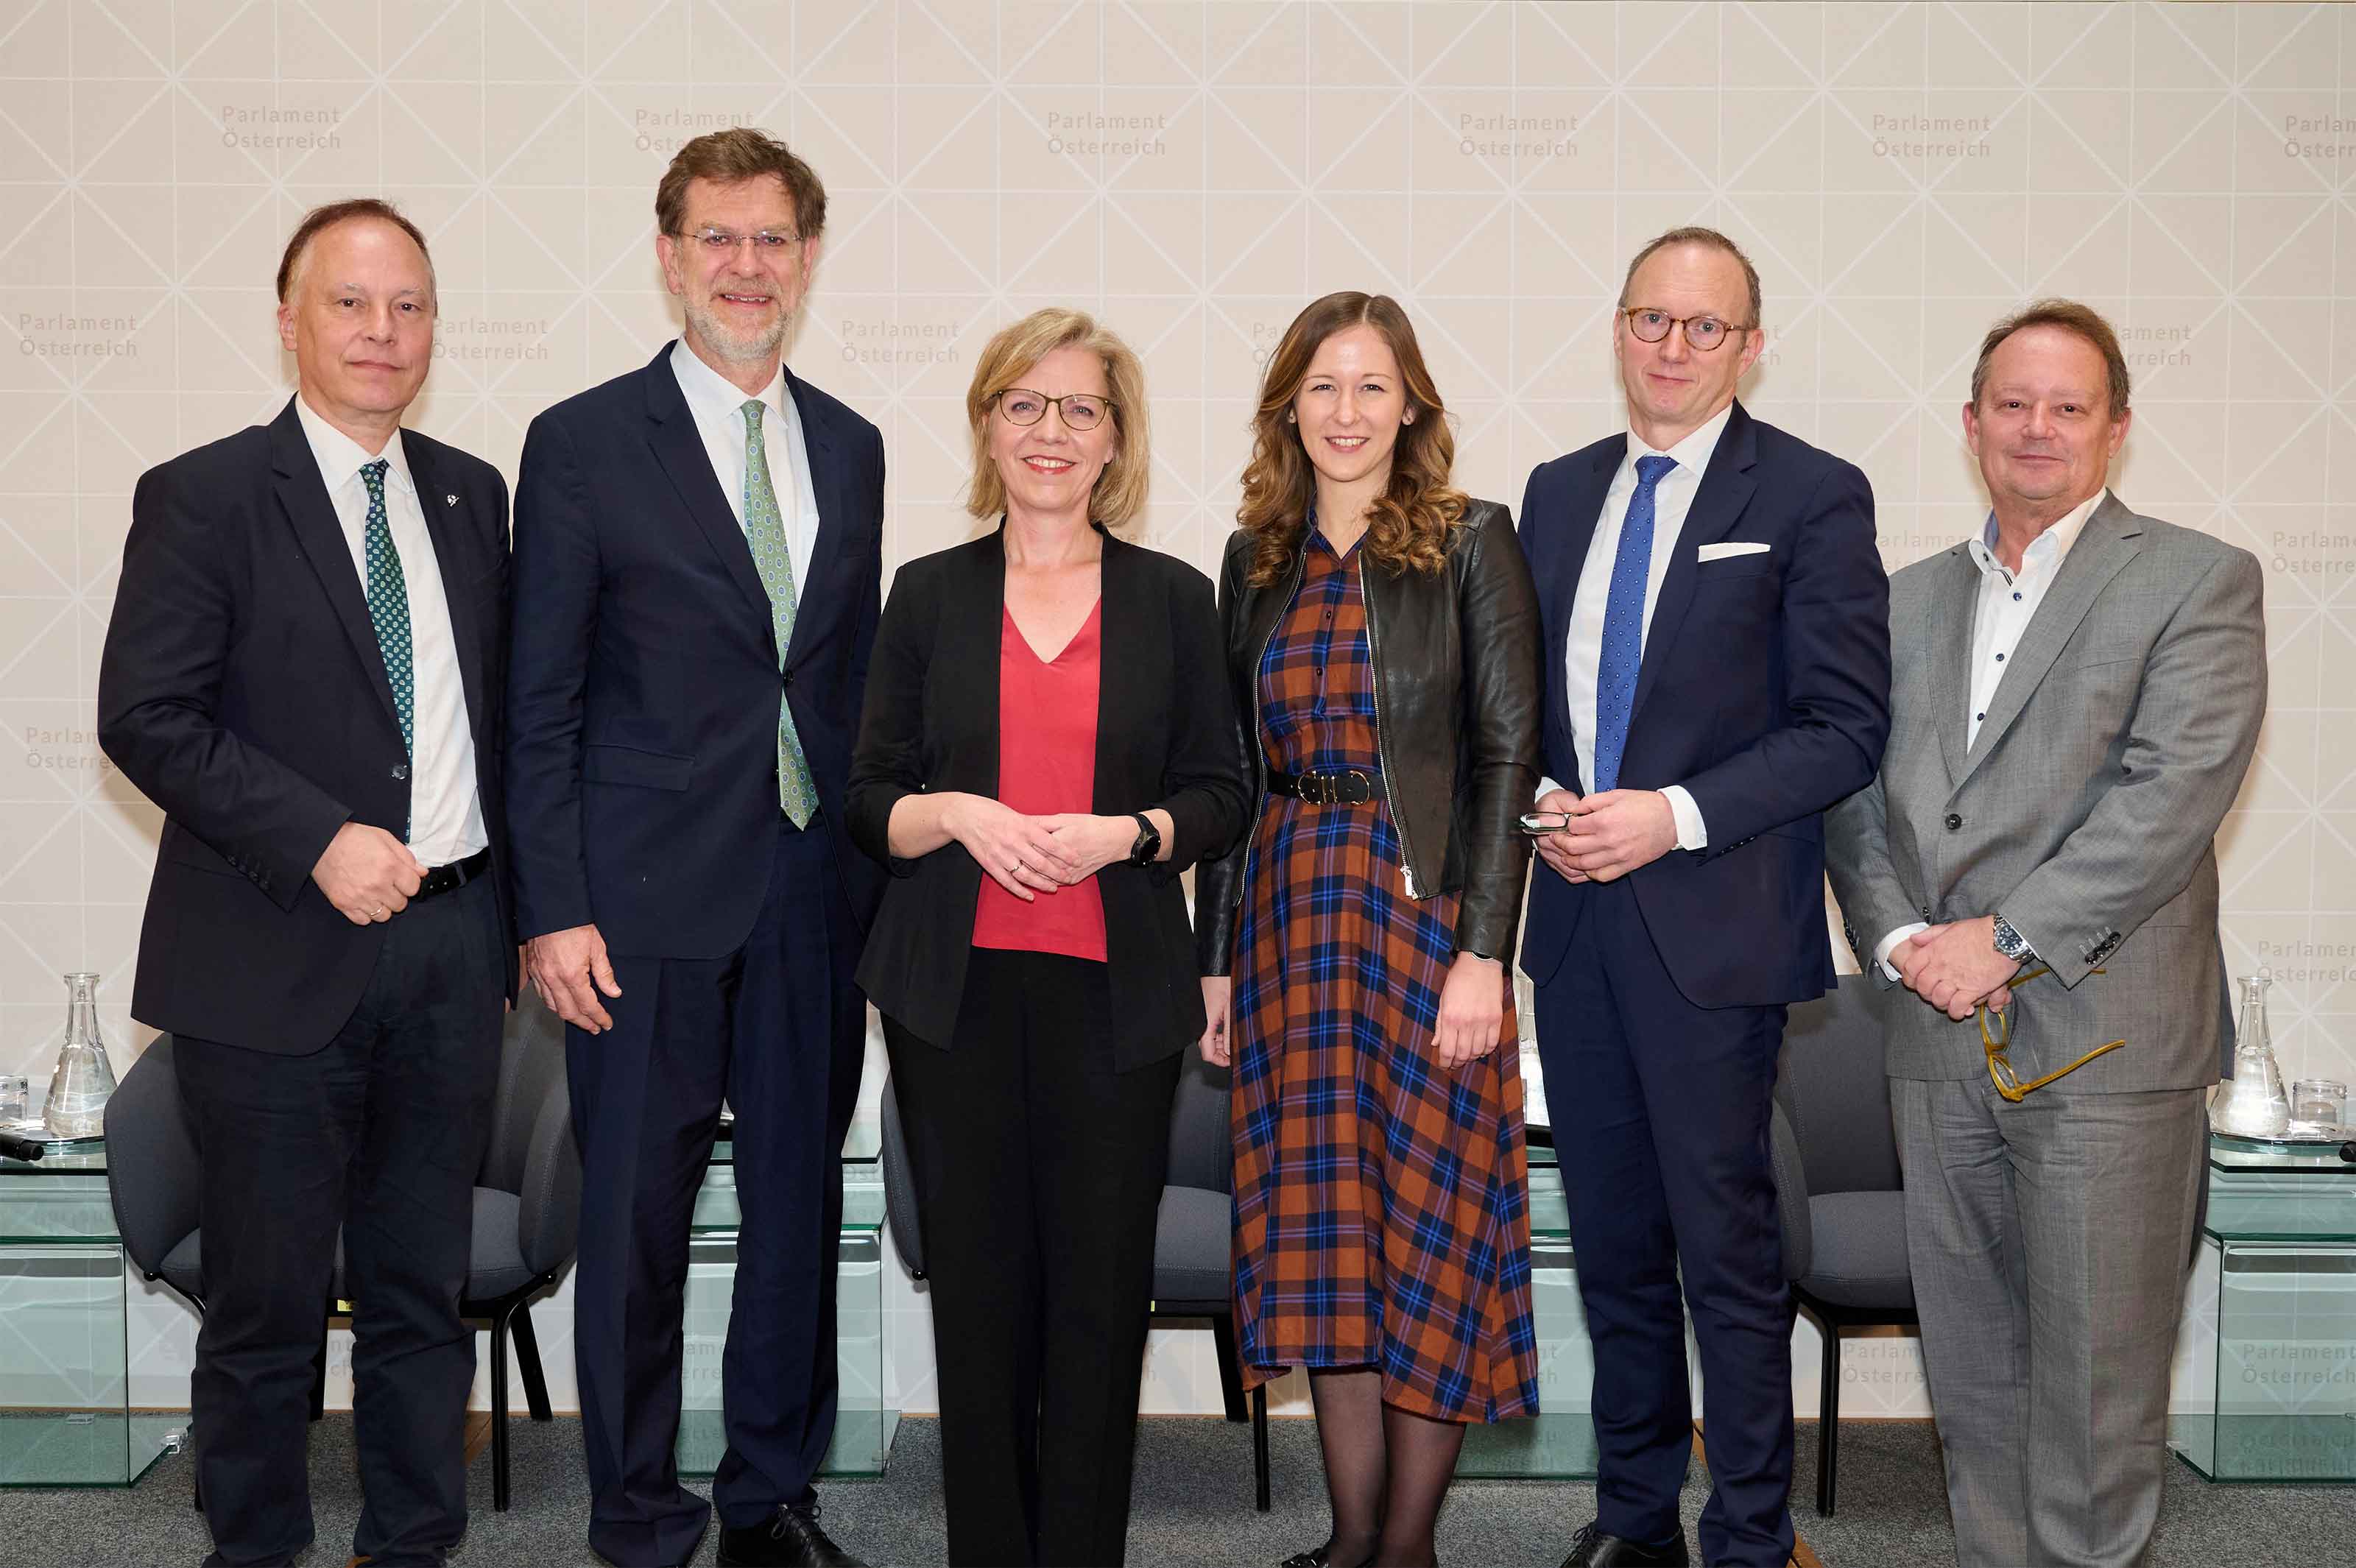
1046,763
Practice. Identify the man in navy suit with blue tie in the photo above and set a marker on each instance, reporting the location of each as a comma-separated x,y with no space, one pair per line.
698,552
1717,674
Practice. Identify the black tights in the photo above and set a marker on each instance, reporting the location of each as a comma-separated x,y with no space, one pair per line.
1386,1471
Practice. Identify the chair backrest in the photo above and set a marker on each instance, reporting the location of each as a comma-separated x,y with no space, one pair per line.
1832,1088
900,1188
1202,1141
152,1173
531,1056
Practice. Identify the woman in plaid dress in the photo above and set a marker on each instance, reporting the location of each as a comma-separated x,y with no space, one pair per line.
1382,635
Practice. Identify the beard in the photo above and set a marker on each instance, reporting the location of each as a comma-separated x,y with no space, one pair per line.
732,342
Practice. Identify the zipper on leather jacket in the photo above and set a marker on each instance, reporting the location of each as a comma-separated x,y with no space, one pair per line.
1382,743
1260,809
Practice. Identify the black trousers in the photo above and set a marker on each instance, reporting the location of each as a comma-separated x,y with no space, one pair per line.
377,1135
1039,1173
779,1029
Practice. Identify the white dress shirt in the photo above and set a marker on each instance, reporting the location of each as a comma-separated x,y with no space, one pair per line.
717,405
445,808
1673,498
2008,602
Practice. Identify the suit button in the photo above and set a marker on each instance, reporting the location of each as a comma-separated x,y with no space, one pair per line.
789,677
400,771
1954,822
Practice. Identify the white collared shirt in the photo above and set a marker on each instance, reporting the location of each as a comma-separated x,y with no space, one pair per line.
445,807
717,405
2008,602
1673,498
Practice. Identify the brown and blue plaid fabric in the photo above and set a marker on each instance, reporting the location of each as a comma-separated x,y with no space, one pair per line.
1382,1204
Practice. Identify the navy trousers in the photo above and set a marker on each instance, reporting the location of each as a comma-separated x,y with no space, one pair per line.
1660,1113
777,1029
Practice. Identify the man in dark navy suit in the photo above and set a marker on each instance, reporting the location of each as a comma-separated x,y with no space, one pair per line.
304,671
1718,673
698,578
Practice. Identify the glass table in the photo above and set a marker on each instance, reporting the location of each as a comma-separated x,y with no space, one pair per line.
65,1418
865,1424
2275,1289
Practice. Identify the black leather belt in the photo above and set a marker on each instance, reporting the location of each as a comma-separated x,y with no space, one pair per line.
1349,787
456,874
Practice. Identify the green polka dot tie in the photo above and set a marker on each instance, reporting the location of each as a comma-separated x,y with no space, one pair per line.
764,530
388,602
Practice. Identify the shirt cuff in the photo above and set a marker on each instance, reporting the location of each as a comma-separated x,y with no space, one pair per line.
1889,944
1546,788
1693,833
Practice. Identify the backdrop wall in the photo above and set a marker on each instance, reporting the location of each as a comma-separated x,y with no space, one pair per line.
1902,174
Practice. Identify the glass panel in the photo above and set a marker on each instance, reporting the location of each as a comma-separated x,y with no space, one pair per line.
2281,1209
1558,1444
863,1425
2285,1365
63,1368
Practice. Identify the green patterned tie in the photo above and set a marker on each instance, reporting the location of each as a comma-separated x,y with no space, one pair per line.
388,602
764,530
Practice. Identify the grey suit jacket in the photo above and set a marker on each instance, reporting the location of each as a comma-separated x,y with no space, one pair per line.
2084,812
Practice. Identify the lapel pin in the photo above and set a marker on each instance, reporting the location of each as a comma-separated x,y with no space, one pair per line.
452,500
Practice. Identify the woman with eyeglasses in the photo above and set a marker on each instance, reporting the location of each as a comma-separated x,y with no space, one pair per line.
1383,650
1047,745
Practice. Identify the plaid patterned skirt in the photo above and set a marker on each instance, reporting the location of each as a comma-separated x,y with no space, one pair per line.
1381,1202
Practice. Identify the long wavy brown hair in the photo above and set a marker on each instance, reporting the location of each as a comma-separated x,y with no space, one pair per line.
1406,527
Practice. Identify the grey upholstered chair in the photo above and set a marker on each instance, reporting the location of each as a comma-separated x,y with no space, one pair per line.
527,1217
1837,1188
1191,1238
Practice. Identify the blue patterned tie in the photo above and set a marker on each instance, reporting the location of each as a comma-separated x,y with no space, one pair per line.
388,602
1622,654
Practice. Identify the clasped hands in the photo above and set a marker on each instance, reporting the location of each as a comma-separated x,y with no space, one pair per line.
1611,834
1028,855
1956,968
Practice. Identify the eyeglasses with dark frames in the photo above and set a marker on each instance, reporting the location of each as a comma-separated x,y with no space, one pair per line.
1078,411
1703,333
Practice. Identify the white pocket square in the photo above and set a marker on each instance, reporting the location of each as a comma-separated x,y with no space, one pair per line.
1721,552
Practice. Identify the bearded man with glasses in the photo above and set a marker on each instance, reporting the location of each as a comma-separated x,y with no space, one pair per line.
698,581
2076,696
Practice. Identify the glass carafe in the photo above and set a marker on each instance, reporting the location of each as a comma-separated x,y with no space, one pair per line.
2252,1102
84,1077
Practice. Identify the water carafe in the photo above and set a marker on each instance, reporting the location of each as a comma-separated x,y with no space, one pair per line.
84,1077
2252,1103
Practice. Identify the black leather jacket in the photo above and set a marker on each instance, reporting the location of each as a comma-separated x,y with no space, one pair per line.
1457,689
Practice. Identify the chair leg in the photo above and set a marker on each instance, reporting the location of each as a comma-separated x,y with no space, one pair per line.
319,1368
1259,1444
1828,1420
1231,1373
500,1411
526,1346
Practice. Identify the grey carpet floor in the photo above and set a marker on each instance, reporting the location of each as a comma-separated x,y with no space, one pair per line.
1192,1508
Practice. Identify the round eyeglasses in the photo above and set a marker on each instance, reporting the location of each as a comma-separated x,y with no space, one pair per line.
1703,333
1079,410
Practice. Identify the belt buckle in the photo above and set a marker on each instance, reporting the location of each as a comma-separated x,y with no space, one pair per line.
1366,783
1309,788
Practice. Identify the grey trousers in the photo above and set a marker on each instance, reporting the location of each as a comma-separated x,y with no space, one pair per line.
2048,1241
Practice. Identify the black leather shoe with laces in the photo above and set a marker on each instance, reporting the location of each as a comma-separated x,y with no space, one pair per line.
1590,1548
790,1538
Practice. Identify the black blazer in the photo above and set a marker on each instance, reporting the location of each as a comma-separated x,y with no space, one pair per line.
242,690
1166,737
642,698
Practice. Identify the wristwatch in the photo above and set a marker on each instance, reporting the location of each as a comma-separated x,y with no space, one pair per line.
2011,944
1149,840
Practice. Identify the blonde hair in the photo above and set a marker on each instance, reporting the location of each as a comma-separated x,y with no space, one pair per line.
1407,525
1011,355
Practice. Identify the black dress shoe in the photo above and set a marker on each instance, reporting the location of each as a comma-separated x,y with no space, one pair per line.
1590,1548
790,1538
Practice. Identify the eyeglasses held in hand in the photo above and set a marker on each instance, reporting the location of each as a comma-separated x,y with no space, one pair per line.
1999,1065
1080,410
1703,333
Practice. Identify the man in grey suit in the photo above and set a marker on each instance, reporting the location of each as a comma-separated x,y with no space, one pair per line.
2076,695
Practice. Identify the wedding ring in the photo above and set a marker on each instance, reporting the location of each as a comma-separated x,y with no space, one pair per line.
381,911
